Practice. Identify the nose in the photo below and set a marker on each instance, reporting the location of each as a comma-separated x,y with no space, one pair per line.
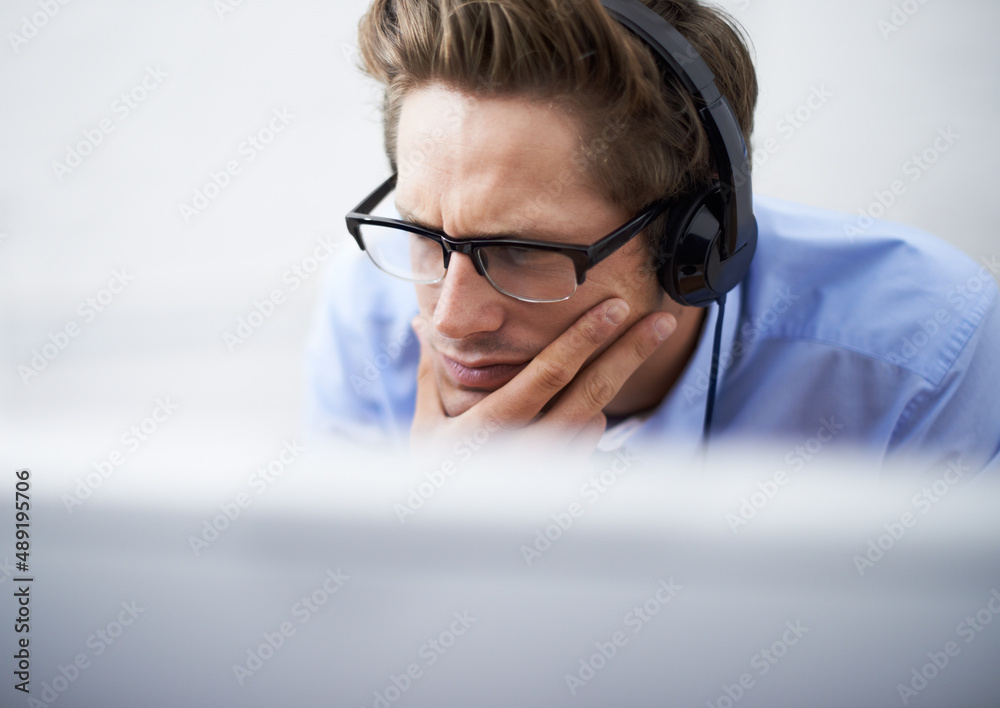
466,303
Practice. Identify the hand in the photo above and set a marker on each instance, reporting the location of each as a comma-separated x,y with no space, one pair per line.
558,372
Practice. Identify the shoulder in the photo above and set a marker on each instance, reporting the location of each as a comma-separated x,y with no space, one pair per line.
893,293
359,292
893,334
359,305
361,351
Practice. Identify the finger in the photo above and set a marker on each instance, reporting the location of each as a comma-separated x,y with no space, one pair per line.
603,378
573,447
429,409
590,435
524,396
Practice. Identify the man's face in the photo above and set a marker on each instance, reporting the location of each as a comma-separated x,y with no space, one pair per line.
474,167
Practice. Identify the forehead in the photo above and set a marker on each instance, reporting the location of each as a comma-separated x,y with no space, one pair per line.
494,164
515,131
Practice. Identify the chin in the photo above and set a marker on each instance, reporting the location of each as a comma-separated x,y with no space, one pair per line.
457,402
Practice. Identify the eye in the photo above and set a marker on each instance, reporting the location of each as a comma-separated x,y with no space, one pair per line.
524,259
540,274
517,255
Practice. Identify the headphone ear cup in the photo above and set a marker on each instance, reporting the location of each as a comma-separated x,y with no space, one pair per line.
689,240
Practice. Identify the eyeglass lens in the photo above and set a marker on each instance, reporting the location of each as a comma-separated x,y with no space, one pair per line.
528,273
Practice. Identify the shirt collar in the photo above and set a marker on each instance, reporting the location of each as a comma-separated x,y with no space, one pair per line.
680,416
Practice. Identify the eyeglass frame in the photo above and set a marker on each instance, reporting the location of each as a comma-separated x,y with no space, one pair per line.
583,257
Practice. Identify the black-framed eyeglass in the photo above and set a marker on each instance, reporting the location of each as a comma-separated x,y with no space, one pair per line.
525,269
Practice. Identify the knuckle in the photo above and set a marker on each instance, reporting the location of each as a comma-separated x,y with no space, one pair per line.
553,375
591,332
642,348
599,390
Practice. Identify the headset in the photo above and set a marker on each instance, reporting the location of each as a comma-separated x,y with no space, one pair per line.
711,234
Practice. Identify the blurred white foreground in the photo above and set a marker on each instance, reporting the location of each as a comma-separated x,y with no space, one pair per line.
347,580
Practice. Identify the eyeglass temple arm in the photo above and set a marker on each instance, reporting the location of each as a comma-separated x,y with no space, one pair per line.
373,199
605,247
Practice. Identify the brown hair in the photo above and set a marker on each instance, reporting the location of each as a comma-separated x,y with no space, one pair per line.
642,137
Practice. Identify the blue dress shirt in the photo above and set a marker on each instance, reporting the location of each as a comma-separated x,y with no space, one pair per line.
888,341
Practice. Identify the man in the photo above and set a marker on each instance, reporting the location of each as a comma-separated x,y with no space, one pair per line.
550,122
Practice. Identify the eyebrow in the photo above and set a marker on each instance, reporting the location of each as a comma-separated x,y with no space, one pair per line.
551,237
407,216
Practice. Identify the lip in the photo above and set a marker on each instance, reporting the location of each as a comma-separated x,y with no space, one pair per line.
484,375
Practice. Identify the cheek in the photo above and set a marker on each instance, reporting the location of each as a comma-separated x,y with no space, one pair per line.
626,275
426,299
549,320
531,326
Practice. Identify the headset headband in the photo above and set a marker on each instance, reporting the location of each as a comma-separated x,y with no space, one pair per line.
725,138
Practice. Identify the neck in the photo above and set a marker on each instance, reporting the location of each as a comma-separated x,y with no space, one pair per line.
654,379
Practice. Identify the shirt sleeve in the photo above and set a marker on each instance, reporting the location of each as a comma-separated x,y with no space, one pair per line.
957,421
